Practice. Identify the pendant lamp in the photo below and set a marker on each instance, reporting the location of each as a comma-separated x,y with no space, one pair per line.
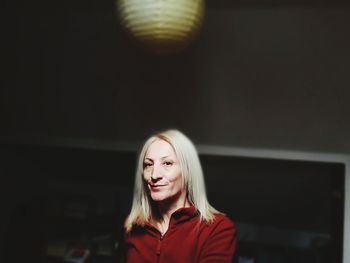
162,26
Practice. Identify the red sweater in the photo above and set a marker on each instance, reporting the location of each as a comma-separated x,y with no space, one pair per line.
186,240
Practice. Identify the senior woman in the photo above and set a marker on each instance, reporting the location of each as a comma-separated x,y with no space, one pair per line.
171,219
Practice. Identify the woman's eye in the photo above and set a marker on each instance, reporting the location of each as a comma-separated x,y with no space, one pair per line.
145,165
168,163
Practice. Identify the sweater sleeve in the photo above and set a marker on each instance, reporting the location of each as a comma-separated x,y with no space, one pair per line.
220,245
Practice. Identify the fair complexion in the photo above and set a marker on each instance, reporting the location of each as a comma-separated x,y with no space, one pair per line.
162,173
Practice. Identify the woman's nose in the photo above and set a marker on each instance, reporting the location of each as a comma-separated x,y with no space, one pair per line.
156,174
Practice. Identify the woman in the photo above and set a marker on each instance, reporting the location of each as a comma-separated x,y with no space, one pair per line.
171,219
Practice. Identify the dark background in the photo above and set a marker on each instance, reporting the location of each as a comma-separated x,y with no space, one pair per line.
262,74
259,75
285,211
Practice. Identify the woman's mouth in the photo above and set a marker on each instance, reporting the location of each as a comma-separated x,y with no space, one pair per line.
155,187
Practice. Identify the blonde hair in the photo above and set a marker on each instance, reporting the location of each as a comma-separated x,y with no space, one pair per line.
193,180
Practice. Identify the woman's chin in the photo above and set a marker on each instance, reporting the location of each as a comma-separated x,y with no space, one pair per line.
164,198
158,197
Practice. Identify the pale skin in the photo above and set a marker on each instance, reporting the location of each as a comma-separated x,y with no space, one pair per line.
162,173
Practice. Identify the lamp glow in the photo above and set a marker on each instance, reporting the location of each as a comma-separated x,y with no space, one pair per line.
163,26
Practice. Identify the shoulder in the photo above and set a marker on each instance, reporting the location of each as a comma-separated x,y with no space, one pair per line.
222,225
223,221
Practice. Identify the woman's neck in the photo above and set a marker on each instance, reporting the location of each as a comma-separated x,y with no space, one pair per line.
166,209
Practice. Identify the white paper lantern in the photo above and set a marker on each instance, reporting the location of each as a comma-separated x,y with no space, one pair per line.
163,26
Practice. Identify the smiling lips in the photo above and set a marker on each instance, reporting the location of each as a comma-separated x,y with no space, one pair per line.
155,187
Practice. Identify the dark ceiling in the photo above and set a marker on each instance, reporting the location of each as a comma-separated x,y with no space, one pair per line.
274,78
275,3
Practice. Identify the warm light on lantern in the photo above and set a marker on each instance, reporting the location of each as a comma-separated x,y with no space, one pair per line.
163,26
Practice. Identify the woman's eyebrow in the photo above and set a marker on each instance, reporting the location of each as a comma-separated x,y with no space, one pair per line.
162,158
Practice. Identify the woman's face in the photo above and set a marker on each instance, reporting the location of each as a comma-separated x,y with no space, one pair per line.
162,172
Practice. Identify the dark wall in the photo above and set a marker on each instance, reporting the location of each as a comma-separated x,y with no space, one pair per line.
261,76
51,194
